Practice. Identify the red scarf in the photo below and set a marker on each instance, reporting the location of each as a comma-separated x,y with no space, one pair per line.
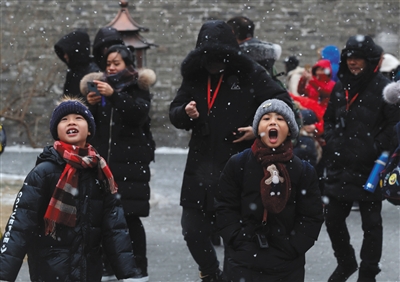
275,186
61,207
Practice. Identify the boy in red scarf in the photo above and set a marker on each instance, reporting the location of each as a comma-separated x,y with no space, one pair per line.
67,208
268,204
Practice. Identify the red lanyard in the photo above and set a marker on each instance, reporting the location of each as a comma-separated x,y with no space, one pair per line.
351,101
210,101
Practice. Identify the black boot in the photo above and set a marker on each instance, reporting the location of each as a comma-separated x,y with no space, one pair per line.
343,272
367,275
216,277
141,263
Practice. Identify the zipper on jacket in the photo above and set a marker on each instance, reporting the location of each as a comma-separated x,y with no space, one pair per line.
110,136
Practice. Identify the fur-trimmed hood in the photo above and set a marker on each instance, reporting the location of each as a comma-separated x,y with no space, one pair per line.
391,93
146,78
216,41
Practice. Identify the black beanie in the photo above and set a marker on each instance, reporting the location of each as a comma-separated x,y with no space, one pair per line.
71,107
308,116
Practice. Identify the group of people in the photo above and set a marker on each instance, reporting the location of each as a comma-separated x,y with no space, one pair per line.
78,214
245,179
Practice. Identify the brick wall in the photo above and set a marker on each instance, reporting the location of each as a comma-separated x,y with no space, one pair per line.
299,26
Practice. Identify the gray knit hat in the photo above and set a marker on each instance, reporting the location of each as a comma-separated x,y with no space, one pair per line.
279,107
71,107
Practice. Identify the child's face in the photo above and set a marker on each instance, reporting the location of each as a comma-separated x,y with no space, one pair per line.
273,129
309,128
73,129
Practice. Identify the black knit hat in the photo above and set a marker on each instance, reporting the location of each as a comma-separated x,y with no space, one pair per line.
71,107
308,116
276,106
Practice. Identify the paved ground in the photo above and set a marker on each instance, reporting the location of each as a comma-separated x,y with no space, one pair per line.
169,259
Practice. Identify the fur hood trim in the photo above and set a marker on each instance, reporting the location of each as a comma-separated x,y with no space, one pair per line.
146,78
391,92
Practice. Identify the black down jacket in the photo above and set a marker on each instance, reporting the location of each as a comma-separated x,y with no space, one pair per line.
124,139
356,137
239,212
75,254
244,87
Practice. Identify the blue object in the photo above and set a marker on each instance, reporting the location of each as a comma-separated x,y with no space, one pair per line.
373,178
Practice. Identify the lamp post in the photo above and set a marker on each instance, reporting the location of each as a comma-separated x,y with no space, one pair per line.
129,30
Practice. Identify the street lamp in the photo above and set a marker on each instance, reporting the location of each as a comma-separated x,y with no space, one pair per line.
129,30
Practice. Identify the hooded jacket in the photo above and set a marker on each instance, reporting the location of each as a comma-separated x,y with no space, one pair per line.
77,46
75,254
245,85
124,139
318,89
105,37
358,124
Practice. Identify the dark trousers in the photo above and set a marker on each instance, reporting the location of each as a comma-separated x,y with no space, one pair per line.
197,227
138,238
241,274
336,213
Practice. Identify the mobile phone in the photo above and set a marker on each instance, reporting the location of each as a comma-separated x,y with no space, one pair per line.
92,87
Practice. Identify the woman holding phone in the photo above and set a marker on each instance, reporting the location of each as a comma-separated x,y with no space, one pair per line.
121,112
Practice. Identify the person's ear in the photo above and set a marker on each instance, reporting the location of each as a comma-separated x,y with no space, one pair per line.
89,133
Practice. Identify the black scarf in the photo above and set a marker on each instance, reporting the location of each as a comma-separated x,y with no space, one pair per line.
123,78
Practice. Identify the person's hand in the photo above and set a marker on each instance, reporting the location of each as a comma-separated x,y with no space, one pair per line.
306,75
247,132
104,88
92,98
191,110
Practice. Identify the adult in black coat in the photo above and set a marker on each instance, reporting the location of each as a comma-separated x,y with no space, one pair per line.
121,112
358,126
75,253
74,50
219,94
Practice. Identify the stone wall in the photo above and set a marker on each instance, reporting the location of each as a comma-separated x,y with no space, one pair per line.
29,30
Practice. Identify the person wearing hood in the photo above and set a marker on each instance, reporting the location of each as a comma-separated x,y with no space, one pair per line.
268,204
121,108
219,94
319,86
104,39
74,50
332,54
315,91
358,127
